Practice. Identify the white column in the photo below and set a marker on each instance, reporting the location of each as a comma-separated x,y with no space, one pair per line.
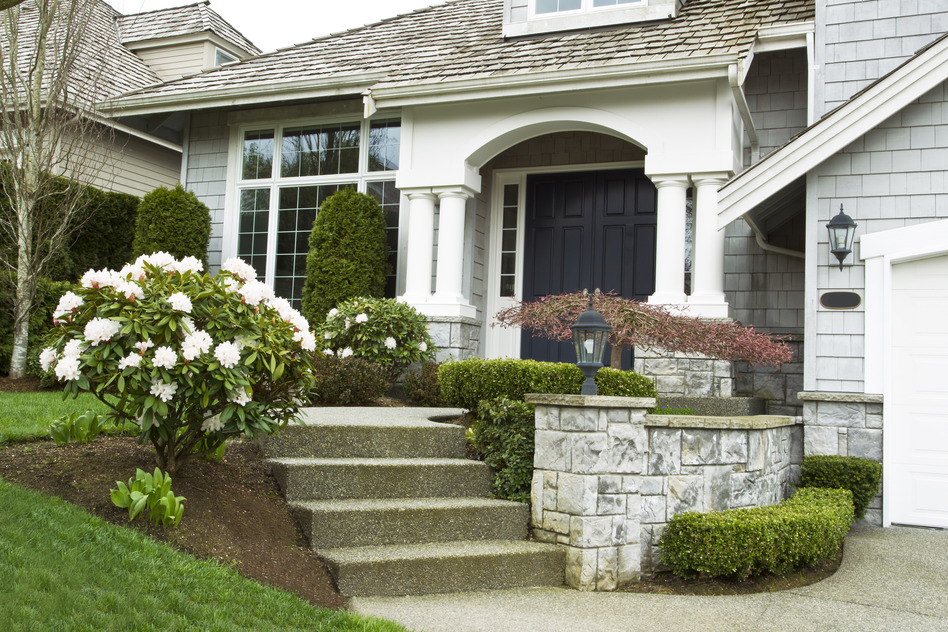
670,240
420,249
707,276
448,299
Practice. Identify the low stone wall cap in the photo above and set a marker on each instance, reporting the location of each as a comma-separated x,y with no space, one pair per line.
590,401
849,398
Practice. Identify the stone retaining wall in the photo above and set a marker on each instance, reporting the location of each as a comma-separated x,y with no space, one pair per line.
678,374
607,477
456,337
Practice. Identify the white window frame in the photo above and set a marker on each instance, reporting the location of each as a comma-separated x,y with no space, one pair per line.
586,7
587,16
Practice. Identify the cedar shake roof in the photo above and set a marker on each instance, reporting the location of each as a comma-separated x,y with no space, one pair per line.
462,39
177,21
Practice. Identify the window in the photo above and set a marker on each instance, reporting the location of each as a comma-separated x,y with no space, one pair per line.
526,17
221,58
560,6
508,241
287,172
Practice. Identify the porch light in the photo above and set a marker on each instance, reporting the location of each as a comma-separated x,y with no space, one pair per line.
842,230
590,333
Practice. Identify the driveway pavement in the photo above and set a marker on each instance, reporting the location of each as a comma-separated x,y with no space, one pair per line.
892,580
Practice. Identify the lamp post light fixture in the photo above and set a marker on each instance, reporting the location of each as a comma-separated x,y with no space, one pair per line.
590,333
842,230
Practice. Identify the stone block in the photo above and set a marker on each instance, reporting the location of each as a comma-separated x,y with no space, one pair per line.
631,484
840,414
607,575
745,490
536,499
820,440
556,522
577,494
547,418
733,446
588,532
758,449
633,508
544,536
700,447
589,453
717,487
610,484
616,415
795,435
664,455
654,509
552,451
651,485
660,366
611,504
579,419
874,420
685,493
670,384
581,568
866,444
629,563
626,449
699,384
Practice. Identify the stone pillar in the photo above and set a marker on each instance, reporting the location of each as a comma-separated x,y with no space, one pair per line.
448,299
590,455
670,240
707,278
421,205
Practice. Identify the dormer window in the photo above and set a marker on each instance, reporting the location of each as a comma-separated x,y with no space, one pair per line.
221,58
525,17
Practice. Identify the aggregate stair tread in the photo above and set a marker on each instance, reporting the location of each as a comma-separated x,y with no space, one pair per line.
438,567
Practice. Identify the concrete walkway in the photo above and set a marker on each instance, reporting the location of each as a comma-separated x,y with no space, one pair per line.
892,580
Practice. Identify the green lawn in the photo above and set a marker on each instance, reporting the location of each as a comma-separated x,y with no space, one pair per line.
28,415
64,569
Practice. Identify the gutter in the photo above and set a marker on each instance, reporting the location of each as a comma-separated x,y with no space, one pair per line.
737,90
765,245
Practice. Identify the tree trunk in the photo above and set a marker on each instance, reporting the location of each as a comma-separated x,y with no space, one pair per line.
615,360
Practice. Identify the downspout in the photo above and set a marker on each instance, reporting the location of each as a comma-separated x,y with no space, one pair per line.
764,245
733,78
368,104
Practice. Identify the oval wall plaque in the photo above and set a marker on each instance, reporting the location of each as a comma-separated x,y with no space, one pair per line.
840,300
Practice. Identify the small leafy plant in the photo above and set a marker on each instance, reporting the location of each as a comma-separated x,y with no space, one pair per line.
152,492
78,427
503,434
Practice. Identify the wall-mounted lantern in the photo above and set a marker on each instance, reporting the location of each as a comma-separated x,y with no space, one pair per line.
590,333
842,230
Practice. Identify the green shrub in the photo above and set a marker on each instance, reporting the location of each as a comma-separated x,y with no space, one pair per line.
672,410
385,331
503,434
421,385
348,253
172,221
346,381
78,427
104,239
47,298
803,530
860,476
464,383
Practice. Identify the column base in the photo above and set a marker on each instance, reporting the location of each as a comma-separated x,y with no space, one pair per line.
434,307
707,308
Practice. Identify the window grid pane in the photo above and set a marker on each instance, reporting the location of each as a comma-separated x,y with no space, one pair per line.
254,229
508,239
320,151
388,198
555,6
258,155
384,141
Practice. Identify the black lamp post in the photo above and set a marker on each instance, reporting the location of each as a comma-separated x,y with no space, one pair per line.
590,333
842,230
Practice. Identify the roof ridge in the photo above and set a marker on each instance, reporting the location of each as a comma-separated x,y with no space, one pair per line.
166,9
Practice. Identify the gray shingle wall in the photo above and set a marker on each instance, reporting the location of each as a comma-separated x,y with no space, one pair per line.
865,39
207,171
894,176
776,94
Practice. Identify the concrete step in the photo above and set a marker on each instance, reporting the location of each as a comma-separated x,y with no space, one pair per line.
321,479
363,522
370,433
412,569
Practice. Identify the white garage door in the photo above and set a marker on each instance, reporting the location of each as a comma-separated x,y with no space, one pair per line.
916,408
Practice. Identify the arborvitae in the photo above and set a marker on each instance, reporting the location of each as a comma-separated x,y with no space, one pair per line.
173,221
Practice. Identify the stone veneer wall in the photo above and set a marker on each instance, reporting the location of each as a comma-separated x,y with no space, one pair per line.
845,424
685,375
779,387
607,477
457,338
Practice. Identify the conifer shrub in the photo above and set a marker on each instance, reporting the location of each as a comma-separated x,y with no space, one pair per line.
348,381
860,476
348,253
172,221
421,385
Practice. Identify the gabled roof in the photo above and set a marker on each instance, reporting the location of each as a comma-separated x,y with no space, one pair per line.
123,71
178,21
461,40
866,110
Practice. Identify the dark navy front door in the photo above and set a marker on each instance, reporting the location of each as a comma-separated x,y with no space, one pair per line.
587,230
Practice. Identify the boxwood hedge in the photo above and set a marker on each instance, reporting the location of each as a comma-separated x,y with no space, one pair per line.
860,476
805,529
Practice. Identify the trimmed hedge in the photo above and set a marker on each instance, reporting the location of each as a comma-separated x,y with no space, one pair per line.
465,383
805,529
860,476
172,221
348,254
421,385
503,434
346,381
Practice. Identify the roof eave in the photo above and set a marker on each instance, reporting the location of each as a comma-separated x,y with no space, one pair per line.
825,138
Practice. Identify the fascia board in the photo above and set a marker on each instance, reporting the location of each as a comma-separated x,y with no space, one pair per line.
627,75
833,133
242,95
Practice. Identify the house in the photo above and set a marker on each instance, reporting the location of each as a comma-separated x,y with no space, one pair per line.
687,153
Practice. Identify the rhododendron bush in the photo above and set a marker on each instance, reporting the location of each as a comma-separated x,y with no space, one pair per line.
190,358
637,324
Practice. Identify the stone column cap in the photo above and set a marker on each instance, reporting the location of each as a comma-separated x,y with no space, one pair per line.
589,401
835,396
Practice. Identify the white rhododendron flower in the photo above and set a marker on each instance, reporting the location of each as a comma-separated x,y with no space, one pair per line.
188,264
344,353
67,369
282,307
390,343
100,330
195,344
228,354
240,398
212,424
165,358
188,325
180,302
133,360
47,357
97,279
327,336
73,348
144,346
307,340
361,318
240,269
348,323
163,390
133,271
67,304
161,260
130,290
332,312
328,352
423,346
255,292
